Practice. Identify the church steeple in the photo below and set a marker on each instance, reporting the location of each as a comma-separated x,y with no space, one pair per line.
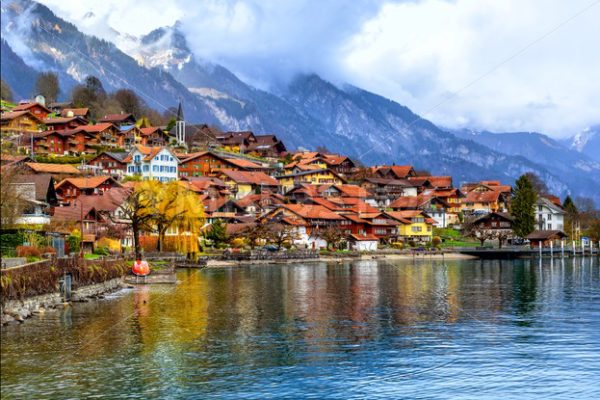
180,125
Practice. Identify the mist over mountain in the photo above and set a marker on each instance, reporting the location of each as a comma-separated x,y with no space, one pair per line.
307,112
586,142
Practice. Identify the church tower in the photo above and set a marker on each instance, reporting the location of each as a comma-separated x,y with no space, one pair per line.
180,126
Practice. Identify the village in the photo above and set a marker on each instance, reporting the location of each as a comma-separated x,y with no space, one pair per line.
77,176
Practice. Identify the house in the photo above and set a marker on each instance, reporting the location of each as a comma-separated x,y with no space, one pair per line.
549,215
307,221
209,186
242,183
483,199
237,142
314,177
339,164
267,146
152,163
118,119
7,160
70,189
38,191
36,109
129,135
58,171
107,134
385,191
435,207
494,225
154,136
110,163
220,207
71,141
395,172
546,237
258,204
63,123
415,225
205,163
76,112
18,122
363,242
372,223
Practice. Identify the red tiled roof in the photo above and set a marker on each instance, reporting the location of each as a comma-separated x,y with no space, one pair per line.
489,196
77,112
353,191
53,168
250,177
312,211
365,237
115,117
87,183
245,163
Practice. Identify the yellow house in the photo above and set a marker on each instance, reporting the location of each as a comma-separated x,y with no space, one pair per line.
19,122
314,177
243,183
414,225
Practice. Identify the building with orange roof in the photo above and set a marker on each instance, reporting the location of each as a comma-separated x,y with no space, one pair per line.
242,183
70,189
58,171
18,122
415,225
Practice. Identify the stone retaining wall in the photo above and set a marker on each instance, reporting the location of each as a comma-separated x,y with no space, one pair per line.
19,310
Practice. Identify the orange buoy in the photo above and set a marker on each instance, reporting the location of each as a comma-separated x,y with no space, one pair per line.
140,268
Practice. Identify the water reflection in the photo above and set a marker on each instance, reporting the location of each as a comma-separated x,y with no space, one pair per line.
244,332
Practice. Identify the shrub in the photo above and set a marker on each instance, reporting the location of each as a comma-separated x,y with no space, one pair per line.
48,249
412,243
28,251
238,243
112,245
74,241
398,245
102,251
436,241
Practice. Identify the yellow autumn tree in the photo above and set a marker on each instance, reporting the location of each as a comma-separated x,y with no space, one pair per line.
174,206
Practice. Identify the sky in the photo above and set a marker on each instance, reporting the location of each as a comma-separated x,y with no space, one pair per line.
510,65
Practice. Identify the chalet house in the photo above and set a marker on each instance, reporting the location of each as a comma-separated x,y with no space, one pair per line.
106,134
211,187
495,225
205,163
129,135
485,199
308,221
70,189
154,136
221,207
374,224
118,119
386,191
110,163
314,177
395,172
93,221
63,123
18,122
36,109
74,141
339,164
152,163
247,165
238,142
242,183
7,160
435,207
38,191
76,112
258,204
415,225
267,146
546,237
58,171
549,215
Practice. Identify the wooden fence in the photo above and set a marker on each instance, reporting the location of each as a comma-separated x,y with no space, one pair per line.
44,277
269,255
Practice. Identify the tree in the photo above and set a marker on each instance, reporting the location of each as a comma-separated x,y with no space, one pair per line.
255,234
5,91
571,218
12,202
94,85
538,184
217,233
174,207
472,229
281,234
48,86
523,203
129,101
138,209
332,235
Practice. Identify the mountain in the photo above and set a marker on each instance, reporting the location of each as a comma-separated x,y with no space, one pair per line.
575,167
309,112
19,76
586,142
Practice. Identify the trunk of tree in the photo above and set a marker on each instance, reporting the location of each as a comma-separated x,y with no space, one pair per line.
136,240
482,241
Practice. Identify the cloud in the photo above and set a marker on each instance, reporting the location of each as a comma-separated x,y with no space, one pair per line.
503,66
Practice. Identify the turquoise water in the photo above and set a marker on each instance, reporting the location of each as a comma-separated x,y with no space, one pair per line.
368,329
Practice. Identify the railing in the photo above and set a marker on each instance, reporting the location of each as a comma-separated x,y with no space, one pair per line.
18,283
269,255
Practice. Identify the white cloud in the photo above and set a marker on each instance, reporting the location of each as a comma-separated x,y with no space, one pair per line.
419,53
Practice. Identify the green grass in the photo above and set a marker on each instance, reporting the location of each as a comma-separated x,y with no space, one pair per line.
91,256
460,243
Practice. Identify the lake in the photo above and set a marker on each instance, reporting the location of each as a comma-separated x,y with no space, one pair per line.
466,329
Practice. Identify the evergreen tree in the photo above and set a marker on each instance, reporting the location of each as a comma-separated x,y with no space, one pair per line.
523,204
217,233
571,217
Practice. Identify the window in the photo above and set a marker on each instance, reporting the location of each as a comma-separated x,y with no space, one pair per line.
549,226
416,228
146,168
549,217
136,158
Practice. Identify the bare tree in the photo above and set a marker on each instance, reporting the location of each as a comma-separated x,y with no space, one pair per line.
137,208
47,85
332,235
254,234
12,201
472,229
129,101
280,234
